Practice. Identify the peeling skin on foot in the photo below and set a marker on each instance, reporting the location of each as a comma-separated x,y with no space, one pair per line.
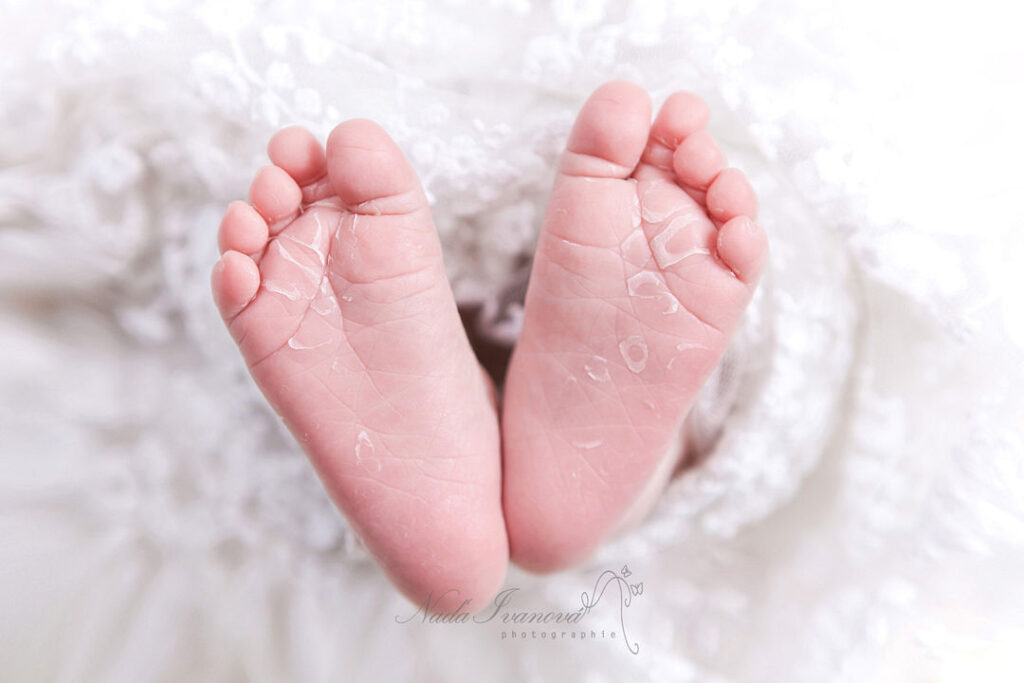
650,285
634,249
637,213
292,289
366,452
370,207
325,304
655,208
673,220
634,352
308,338
291,258
291,292
597,369
319,243
685,346
352,224
666,253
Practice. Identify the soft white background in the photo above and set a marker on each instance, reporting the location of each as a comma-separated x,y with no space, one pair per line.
859,513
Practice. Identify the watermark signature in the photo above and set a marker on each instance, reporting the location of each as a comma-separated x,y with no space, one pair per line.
548,625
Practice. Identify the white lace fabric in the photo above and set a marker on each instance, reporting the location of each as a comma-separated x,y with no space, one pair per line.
856,510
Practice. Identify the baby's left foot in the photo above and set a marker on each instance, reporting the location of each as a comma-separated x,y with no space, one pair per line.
647,259
333,284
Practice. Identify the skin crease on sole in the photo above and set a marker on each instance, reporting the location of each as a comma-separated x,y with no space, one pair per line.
647,259
332,283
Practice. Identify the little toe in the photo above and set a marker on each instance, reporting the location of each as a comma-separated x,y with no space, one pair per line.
296,151
235,281
697,160
275,195
729,195
743,247
610,132
242,229
368,171
682,115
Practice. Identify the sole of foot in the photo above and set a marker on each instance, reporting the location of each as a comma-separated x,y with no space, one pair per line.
648,256
332,283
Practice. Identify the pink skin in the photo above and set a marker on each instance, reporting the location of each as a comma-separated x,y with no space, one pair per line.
332,283
331,280
647,259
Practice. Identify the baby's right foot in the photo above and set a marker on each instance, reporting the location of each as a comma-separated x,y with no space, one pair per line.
333,285
648,257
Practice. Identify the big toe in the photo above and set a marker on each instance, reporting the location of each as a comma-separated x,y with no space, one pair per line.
610,132
368,171
235,280
389,234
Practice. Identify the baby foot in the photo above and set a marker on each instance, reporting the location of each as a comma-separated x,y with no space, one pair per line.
647,259
332,284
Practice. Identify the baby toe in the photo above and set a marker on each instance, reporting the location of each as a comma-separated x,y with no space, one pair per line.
242,229
235,281
730,195
743,247
682,115
275,194
298,153
697,160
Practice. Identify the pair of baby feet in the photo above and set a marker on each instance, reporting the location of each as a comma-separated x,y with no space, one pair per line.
332,283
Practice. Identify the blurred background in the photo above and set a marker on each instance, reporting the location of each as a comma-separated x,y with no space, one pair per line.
856,508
